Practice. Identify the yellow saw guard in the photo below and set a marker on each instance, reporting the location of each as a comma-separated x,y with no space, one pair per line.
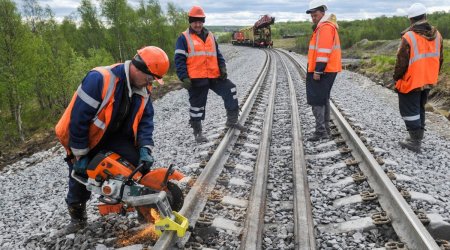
179,224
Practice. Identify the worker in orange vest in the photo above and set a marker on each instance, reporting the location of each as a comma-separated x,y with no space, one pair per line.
324,62
419,60
110,111
201,66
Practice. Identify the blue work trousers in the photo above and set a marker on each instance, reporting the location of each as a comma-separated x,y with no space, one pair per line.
318,92
198,95
412,108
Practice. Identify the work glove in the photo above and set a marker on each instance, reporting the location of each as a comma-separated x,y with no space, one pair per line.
80,165
187,84
391,84
223,73
145,158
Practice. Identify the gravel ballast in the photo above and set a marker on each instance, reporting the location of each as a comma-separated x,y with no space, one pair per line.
33,189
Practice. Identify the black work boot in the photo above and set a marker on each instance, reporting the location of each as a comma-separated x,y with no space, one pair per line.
78,218
317,136
414,141
328,130
232,120
197,127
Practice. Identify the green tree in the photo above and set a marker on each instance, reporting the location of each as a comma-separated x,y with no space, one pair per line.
152,23
35,15
13,61
91,29
177,20
79,67
122,19
153,27
73,35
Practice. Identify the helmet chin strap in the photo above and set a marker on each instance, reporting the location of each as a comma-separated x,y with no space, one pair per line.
133,71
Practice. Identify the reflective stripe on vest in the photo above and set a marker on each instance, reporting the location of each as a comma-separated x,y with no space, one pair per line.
201,56
86,98
331,56
181,51
423,68
417,55
107,93
103,117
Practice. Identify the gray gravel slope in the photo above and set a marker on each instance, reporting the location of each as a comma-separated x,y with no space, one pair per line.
32,190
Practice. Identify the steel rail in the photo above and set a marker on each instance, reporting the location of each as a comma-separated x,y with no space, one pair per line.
304,224
196,199
405,222
253,231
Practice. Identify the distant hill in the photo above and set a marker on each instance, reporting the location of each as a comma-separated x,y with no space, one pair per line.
224,28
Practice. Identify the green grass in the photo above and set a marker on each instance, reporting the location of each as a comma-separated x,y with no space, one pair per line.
446,66
370,45
381,64
288,43
385,63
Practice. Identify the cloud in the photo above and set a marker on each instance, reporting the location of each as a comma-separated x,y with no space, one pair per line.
240,12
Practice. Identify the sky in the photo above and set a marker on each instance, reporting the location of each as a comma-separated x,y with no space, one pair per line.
240,12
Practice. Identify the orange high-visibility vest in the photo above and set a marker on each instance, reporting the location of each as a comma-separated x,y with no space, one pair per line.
423,66
325,46
202,56
102,119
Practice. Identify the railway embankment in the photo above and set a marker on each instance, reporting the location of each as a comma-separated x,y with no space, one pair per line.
376,60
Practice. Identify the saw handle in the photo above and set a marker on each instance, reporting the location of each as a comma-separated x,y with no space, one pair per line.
128,180
169,172
130,177
79,178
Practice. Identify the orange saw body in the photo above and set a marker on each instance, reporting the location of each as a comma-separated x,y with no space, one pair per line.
122,188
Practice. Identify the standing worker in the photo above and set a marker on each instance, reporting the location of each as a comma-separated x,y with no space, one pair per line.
201,66
419,60
324,62
111,111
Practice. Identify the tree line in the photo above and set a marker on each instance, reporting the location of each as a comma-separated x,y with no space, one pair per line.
42,61
351,32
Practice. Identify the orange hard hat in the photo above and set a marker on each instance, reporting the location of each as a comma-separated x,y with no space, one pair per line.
196,11
153,61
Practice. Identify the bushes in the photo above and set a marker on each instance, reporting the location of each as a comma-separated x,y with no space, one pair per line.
382,63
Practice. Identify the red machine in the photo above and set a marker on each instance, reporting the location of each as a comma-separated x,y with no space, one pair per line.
259,35
122,188
238,36
264,21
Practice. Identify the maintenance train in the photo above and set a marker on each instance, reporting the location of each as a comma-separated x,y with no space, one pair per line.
258,35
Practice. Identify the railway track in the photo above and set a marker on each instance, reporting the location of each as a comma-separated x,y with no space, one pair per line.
254,186
395,210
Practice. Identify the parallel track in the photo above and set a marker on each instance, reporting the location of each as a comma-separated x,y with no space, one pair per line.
197,196
250,231
405,222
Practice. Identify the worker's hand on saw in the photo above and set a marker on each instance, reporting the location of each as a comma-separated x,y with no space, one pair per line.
80,165
145,158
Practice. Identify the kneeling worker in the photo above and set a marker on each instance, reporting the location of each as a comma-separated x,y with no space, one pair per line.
111,111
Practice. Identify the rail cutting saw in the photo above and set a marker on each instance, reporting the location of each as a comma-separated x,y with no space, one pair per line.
122,188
